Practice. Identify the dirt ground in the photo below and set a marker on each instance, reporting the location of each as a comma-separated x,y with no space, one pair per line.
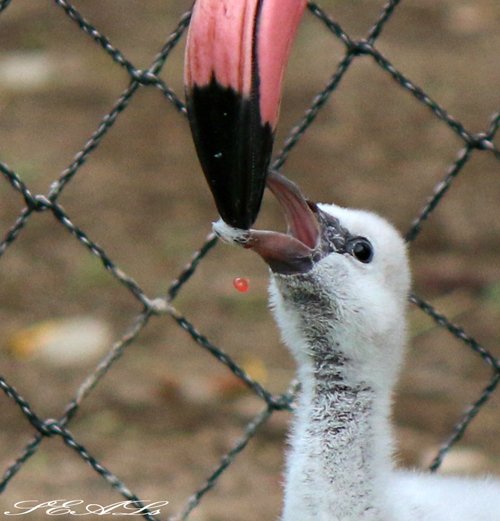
168,411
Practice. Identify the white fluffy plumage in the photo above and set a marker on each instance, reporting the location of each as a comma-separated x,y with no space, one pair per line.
344,321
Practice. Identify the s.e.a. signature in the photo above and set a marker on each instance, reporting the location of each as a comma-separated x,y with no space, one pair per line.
78,507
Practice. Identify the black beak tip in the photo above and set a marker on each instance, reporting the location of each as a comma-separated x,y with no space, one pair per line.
236,211
234,147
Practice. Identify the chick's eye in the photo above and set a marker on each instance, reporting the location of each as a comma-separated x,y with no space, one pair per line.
362,250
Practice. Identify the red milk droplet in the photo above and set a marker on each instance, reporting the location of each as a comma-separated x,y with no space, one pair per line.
241,284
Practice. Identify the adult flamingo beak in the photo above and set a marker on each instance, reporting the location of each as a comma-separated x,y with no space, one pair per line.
236,55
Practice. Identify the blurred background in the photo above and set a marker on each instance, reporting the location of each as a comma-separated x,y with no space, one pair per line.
168,411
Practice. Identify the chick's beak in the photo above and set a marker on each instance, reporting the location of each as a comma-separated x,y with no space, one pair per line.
295,251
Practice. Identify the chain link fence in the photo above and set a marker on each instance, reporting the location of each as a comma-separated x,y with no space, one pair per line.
35,204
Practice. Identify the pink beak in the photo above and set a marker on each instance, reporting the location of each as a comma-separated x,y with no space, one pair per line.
236,55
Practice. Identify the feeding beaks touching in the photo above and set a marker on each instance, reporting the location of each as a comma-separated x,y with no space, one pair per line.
236,55
235,59
312,233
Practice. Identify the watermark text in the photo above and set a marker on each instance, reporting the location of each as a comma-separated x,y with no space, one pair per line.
78,507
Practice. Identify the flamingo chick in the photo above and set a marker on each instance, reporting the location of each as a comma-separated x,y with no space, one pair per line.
339,286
